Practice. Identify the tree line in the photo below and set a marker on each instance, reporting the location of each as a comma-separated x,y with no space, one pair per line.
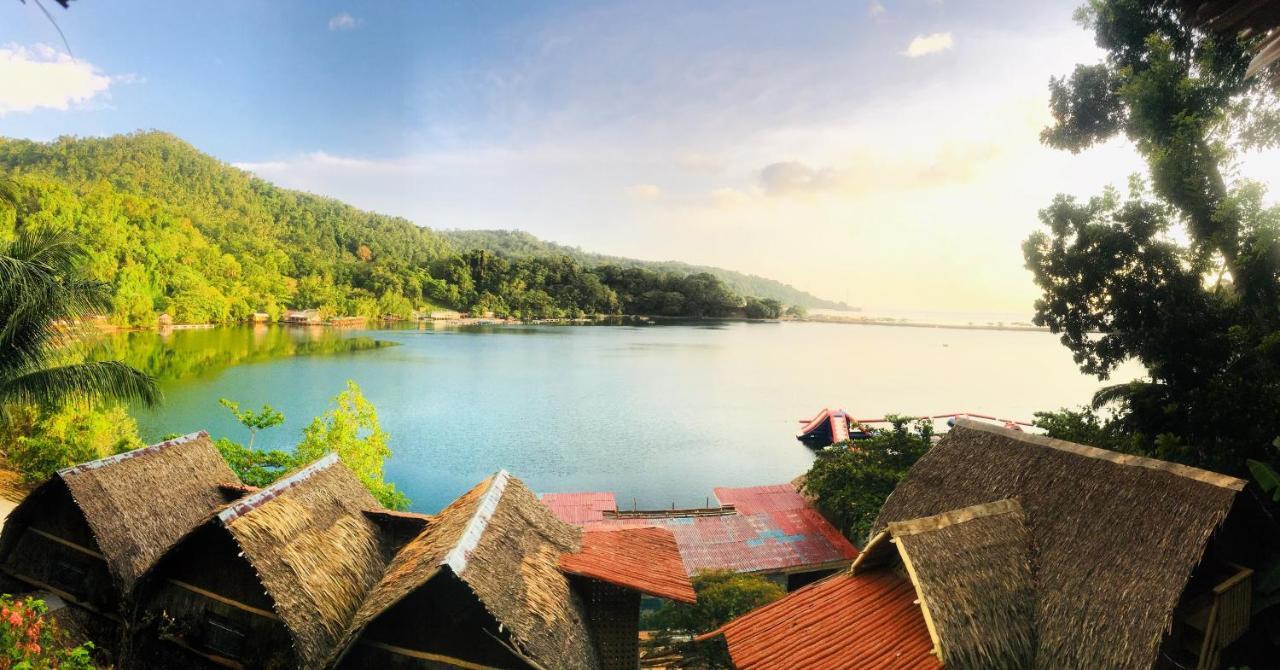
174,231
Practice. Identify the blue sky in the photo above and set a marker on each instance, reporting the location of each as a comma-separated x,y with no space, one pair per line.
881,152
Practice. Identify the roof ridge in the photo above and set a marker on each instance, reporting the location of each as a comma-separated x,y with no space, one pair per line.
457,557
250,502
926,524
134,453
1178,469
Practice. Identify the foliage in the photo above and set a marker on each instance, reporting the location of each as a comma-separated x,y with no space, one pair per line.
1087,426
42,301
519,244
1181,274
850,481
766,308
350,429
42,441
255,467
723,595
176,232
31,640
266,417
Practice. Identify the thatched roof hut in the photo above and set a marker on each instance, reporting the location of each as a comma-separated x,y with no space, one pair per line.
498,545
293,561
119,513
971,568
1115,539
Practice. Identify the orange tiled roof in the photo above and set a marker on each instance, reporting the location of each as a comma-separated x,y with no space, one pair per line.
867,621
642,559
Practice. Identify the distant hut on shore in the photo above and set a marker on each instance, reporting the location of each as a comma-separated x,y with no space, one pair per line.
1029,552
497,581
269,581
91,530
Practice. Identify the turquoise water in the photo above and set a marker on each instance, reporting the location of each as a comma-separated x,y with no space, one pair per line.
660,414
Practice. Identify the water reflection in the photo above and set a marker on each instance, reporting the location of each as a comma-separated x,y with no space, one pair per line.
180,354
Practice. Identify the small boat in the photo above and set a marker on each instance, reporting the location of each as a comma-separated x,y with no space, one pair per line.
833,426
830,427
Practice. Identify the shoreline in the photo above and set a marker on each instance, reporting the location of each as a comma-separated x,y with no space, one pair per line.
603,319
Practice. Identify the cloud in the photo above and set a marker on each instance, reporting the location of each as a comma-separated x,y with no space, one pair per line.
875,9
791,177
923,45
344,21
41,77
644,191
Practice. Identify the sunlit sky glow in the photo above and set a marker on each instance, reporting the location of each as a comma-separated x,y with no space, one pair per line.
883,153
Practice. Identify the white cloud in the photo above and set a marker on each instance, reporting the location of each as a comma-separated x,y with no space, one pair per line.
344,21
924,45
41,77
875,9
644,191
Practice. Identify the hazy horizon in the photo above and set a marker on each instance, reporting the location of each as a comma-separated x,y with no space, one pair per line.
884,154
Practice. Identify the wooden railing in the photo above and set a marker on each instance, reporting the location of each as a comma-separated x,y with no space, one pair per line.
1228,617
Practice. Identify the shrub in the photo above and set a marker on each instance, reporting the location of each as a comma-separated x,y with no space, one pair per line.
850,481
723,595
31,640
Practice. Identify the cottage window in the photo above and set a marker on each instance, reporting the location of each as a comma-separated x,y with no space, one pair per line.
70,576
223,637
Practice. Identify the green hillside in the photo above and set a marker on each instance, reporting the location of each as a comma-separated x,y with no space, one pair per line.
178,232
517,243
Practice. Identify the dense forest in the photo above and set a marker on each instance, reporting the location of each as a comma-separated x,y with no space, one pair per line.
177,232
519,244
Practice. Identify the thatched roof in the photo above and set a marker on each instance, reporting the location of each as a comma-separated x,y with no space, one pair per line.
315,552
1114,537
139,503
1247,17
972,571
505,546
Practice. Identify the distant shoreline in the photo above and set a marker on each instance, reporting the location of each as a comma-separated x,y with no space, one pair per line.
873,321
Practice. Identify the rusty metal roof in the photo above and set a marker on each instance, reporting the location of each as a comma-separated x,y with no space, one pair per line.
641,559
867,621
775,530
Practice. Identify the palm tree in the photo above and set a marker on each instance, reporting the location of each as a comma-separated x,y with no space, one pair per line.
42,302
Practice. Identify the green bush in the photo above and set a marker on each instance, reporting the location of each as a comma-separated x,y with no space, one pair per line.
31,640
41,442
723,595
850,481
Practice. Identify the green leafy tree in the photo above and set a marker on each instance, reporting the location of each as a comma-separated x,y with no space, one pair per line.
723,595
40,441
351,430
42,302
267,417
1182,273
850,481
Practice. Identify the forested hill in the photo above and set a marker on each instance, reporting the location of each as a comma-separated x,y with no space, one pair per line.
519,244
178,232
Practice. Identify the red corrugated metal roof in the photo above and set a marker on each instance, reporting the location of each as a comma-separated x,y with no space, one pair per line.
579,508
775,529
868,621
641,559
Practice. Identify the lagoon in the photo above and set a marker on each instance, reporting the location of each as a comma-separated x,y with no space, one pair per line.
656,413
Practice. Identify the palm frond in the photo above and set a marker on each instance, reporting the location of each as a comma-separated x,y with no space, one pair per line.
1123,392
105,380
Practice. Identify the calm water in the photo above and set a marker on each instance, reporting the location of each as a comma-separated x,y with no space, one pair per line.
659,413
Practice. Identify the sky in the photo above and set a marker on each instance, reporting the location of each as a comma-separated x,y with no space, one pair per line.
881,153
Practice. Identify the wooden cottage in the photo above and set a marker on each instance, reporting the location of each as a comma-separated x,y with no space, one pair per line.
496,580
270,581
89,532
1028,552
